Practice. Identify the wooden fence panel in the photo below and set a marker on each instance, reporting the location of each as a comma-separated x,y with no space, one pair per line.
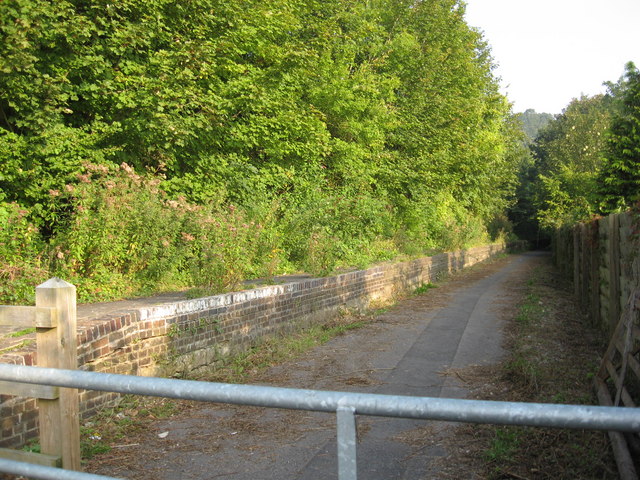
603,272
606,273
603,258
577,257
594,270
629,256
584,265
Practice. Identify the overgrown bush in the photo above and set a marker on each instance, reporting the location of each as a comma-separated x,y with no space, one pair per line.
20,255
126,236
293,136
326,231
438,222
120,234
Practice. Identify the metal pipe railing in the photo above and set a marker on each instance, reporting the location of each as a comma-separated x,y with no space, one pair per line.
446,409
41,472
345,405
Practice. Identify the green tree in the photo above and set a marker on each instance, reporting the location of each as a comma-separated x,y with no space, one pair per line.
349,130
620,175
452,134
568,155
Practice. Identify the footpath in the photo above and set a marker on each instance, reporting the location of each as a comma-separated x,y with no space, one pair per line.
414,348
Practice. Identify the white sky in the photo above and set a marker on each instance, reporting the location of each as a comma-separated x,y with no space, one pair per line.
551,51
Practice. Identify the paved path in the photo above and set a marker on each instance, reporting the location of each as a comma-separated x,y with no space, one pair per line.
406,351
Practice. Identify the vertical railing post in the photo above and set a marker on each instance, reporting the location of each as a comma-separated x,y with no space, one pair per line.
347,443
57,348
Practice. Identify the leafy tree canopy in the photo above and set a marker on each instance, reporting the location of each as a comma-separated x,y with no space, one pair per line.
347,123
620,175
568,159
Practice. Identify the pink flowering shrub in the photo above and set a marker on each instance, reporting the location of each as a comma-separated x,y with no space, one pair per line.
125,236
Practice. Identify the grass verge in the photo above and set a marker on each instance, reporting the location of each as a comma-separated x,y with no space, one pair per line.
272,351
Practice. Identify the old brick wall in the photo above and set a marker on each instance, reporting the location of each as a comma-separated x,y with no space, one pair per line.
184,337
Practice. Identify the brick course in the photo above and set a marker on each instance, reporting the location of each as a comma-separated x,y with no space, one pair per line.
192,335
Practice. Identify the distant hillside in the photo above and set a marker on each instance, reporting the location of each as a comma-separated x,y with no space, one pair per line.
533,122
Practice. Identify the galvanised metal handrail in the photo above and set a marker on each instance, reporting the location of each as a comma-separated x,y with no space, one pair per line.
346,405
31,470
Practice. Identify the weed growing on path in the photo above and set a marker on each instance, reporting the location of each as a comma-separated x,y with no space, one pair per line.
504,445
423,288
115,427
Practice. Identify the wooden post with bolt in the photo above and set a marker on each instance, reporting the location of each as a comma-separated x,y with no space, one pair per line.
57,348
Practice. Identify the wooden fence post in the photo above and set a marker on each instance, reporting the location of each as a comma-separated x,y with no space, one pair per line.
577,278
614,270
57,348
594,274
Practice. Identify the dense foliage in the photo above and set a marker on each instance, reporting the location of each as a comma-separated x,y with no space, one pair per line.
585,162
161,144
569,158
620,176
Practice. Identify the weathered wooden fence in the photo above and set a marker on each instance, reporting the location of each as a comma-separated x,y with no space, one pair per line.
54,318
603,259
